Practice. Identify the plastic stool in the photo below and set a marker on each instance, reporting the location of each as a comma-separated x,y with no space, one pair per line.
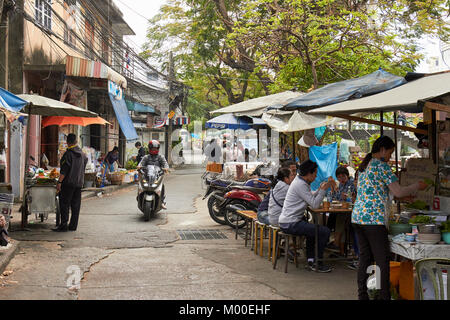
287,239
259,230
273,231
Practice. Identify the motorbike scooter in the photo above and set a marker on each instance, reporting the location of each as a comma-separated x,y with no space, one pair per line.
217,187
244,197
150,190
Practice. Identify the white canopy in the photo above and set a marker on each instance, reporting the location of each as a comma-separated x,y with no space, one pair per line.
405,97
255,107
292,121
49,107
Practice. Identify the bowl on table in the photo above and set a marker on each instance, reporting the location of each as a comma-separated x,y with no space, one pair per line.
398,228
427,228
429,238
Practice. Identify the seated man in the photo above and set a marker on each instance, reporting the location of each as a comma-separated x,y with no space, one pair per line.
293,219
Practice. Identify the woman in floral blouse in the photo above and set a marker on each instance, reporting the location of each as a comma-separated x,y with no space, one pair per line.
376,180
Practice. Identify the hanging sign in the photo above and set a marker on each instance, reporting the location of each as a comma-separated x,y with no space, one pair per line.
115,90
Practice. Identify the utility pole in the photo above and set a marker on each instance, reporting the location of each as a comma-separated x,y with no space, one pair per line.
169,128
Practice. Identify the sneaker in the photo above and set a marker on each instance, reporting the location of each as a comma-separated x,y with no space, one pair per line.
353,265
163,206
321,268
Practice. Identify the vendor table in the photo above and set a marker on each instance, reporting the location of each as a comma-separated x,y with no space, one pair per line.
315,214
415,250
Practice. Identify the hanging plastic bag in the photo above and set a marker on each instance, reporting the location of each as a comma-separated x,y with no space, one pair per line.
326,159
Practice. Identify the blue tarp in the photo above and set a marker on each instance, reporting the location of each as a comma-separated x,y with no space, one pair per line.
121,110
230,121
326,159
10,101
375,82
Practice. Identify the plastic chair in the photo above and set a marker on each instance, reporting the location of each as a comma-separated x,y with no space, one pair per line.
434,270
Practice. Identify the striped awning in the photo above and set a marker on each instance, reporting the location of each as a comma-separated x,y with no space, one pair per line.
79,67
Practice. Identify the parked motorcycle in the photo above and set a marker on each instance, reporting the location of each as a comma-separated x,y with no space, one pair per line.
150,190
245,197
218,187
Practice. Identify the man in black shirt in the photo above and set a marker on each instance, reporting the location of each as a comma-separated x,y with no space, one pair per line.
141,152
71,180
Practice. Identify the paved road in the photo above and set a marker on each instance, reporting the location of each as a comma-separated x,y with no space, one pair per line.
120,256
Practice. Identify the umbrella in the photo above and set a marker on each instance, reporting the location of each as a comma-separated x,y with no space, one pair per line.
230,121
80,121
39,105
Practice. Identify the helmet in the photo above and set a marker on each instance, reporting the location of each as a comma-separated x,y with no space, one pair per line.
153,147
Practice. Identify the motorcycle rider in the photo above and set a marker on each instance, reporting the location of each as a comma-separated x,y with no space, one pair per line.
154,158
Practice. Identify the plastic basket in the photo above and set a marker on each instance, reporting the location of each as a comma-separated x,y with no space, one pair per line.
116,177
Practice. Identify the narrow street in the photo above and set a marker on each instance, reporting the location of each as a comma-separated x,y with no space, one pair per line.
122,257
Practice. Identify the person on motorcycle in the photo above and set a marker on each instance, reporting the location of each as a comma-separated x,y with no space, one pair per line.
154,158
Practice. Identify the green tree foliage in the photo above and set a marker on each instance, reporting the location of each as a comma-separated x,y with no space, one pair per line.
232,50
310,43
196,30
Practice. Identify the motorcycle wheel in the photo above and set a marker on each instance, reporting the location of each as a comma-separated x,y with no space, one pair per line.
231,217
215,212
147,210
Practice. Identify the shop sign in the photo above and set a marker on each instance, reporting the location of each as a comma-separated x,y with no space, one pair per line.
115,90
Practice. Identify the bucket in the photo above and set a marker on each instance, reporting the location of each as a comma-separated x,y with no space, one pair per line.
394,273
446,237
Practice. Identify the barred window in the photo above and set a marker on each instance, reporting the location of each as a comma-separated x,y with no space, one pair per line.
43,13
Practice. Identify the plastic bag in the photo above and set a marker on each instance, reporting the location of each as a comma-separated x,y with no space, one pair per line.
326,159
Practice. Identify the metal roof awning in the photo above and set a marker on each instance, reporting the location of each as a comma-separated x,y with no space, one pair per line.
255,107
79,67
139,107
409,97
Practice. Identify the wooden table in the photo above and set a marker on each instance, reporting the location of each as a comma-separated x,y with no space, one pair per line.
315,213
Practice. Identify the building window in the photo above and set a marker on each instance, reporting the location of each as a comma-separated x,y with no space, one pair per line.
105,51
70,16
43,13
89,32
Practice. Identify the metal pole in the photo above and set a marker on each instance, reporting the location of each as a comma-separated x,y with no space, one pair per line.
381,126
396,156
27,155
293,146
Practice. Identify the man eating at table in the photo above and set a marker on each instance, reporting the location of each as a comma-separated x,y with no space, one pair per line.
293,219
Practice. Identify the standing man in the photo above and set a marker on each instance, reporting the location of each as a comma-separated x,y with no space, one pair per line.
70,182
141,152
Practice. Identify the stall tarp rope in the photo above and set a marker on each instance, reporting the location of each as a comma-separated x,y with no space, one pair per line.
333,93
405,98
293,121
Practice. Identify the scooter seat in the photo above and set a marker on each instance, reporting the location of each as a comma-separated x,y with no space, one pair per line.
252,189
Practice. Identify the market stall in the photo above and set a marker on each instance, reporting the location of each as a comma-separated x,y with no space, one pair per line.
418,229
38,105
